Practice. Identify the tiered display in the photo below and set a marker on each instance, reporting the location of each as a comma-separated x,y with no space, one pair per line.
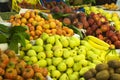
53,47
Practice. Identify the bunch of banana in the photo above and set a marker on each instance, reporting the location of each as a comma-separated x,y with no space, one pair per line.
97,43
112,54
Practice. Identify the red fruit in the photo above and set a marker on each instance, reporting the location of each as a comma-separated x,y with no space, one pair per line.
110,33
114,38
117,44
96,17
104,28
98,31
100,36
90,21
89,31
94,27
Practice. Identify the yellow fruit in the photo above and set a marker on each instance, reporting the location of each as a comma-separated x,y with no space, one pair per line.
46,26
37,18
23,20
17,16
50,16
38,32
31,20
32,14
41,23
52,25
34,23
39,27
27,15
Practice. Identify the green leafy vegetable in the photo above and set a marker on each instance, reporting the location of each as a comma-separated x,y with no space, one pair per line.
59,15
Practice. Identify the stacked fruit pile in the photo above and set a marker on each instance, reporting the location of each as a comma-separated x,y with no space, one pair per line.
111,6
37,24
66,57
12,68
95,24
104,71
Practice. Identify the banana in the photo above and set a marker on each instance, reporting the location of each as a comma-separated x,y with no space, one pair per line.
95,45
98,41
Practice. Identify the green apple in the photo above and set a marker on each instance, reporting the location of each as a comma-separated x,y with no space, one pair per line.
48,47
69,71
64,41
58,53
31,52
64,76
49,53
77,58
62,66
66,53
39,41
34,59
56,60
27,47
42,63
41,55
49,61
26,58
56,74
83,70
50,40
77,66
38,48
44,36
69,62
51,68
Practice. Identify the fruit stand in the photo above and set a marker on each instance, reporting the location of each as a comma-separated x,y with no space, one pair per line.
55,40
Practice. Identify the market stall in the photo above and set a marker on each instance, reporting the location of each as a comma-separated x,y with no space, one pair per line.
55,40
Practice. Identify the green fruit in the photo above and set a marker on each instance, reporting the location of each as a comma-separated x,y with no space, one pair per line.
58,43
26,58
31,52
64,76
69,62
51,68
56,61
77,66
78,58
49,61
64,41
44,36
42,63
84,63
38,48
58,53
61,66
27,47
83,70
49,53
39,41
69,71
73,77
33,59
48,47
22,54
41,55
50,40
66,53
56,74
73,53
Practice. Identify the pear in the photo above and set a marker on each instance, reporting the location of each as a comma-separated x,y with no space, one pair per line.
38,48
31,52
66,53
56,74
64,41
73,77
58,52
49,53
39,41
73,53
56,60
62,66
44,36
69,71
27,47
51,68
42,63
58,43
72,43
69,62
77,66
83,70
49,61
76,39
41,55
48,47
86,44
91,55
50,40
78,58
64,76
